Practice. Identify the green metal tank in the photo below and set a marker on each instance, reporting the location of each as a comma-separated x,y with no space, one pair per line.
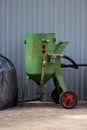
34,55
43,61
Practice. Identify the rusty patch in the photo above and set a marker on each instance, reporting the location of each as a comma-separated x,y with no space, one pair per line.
35,46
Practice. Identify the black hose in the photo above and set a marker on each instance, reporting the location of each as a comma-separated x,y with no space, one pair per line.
66,65
81,65
74,65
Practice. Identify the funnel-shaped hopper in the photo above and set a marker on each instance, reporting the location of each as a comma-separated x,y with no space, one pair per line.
37,78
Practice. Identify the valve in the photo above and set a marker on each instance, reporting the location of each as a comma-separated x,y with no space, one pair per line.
45,40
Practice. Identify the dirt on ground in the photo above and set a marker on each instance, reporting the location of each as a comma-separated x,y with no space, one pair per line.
44,116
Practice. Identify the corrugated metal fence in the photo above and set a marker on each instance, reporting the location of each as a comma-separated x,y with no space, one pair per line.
67,18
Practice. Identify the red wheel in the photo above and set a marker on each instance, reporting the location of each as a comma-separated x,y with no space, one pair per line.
68,99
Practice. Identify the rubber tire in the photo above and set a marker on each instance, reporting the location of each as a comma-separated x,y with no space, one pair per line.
55,96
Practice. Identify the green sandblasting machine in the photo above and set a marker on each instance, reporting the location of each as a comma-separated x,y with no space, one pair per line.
43,61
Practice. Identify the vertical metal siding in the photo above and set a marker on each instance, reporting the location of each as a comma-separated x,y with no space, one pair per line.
67,18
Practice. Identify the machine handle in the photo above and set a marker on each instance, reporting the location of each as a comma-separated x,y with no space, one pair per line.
74,65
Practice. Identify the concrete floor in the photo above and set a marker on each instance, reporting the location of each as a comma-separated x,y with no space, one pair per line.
44,116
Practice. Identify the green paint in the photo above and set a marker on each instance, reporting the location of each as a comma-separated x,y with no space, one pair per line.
41,67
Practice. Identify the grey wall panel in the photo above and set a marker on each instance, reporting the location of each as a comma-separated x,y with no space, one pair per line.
67,18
